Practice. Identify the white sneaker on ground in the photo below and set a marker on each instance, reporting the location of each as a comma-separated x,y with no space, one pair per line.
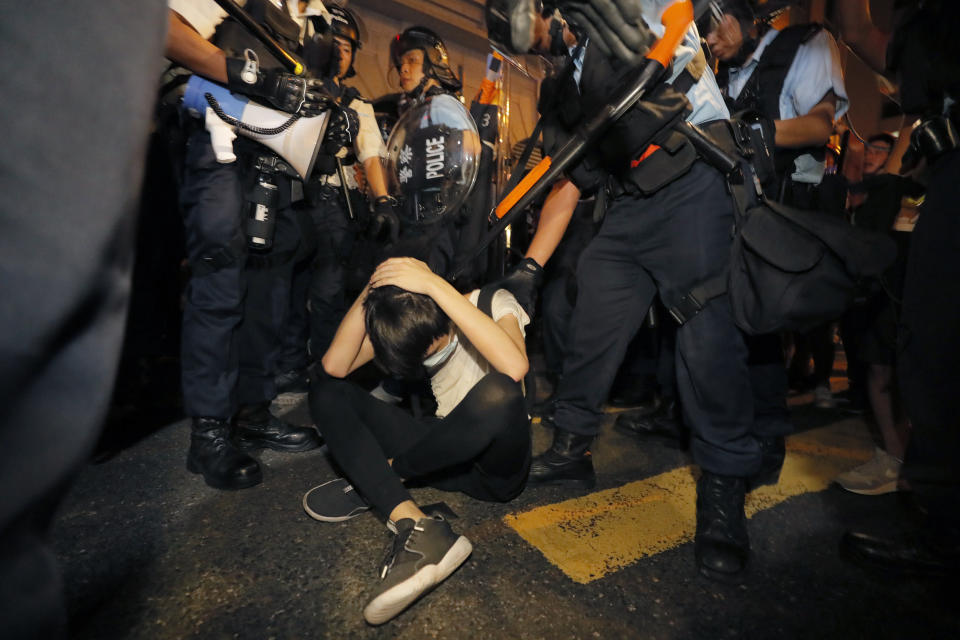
823,397
873,478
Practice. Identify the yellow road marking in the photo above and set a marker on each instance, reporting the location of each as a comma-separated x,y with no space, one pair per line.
593,535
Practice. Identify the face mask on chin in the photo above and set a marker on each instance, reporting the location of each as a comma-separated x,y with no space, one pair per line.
436,361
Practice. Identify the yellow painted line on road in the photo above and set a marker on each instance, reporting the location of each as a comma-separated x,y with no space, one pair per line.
597,534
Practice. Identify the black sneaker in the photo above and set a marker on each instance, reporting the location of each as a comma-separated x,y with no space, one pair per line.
422,555
334,501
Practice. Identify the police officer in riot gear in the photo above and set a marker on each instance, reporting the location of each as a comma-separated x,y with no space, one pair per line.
421,60
667,227
423,65
335,206
231,330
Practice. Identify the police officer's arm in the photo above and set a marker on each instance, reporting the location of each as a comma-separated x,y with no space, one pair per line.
500,343
368,145
860,34
351,347
812,129
373,170
188,48
555,217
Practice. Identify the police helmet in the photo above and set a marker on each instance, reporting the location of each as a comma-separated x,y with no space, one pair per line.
436,61
345,26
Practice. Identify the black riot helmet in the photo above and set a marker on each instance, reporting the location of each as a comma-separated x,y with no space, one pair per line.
436,61
345,26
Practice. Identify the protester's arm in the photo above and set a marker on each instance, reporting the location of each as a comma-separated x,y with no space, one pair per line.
500,344
895,159
860,34
555,217
351,347
812,129
186,47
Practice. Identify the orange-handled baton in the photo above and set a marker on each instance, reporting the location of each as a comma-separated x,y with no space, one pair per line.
676,19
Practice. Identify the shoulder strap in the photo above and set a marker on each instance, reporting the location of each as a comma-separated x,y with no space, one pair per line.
762,91
485,299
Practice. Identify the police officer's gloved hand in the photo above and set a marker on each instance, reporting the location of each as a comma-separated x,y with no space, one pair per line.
341,130
284,91
523,281
615,26
384,224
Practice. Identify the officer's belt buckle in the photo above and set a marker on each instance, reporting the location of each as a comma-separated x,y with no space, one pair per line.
686,308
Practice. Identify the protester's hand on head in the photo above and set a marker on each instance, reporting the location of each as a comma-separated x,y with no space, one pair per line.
407,273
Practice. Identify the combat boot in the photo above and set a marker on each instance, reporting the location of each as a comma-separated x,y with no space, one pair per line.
567,462
721,545
258,428
214,455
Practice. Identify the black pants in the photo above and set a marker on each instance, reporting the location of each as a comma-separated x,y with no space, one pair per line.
481,448
665,243
70,169
233,315
929,356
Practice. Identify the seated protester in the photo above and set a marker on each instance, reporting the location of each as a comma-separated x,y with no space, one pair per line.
411,322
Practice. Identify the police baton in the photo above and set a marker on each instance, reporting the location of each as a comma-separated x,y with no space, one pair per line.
237,13
676,18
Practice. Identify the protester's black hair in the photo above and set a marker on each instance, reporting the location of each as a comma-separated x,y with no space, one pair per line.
402,326
882,137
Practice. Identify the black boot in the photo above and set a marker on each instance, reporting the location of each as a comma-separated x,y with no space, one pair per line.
664,423
258,428
213,454
566,463
721,545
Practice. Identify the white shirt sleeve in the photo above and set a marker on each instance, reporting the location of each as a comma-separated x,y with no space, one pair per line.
369,143
815,71
203,15
504,304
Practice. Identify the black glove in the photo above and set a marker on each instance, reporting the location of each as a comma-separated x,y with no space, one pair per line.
284,91
523,281
342,130
615,26
384,224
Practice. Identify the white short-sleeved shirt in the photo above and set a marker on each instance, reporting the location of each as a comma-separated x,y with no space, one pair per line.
704,96
466,366
815,71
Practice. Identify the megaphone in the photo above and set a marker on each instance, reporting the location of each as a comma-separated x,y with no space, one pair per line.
298,143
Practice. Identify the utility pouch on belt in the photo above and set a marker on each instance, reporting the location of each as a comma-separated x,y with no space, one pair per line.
641,149
672,156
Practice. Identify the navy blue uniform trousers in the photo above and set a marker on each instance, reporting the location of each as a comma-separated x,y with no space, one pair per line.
667,243
234,316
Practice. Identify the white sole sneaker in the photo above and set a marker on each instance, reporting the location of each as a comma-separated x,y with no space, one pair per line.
391,602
